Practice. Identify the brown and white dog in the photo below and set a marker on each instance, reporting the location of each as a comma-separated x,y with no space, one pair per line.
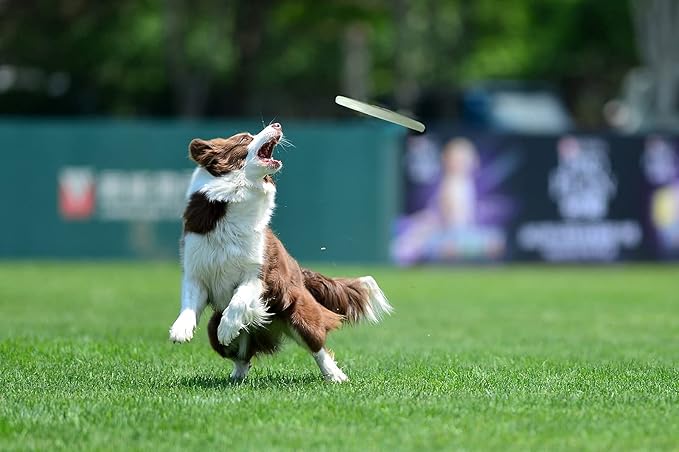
234,262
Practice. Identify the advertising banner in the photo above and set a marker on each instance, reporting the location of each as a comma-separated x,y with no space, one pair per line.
472,197
660,164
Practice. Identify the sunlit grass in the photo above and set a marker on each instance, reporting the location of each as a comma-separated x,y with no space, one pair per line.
487,358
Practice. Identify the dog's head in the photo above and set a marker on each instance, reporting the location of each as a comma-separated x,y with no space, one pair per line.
241,152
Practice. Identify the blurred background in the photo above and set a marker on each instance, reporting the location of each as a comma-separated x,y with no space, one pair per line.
552,125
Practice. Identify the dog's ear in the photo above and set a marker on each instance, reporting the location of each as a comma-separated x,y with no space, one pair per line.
200,151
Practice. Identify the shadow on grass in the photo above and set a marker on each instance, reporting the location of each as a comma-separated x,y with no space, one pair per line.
274,380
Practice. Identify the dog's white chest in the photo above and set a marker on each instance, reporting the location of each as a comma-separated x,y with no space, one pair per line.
234,250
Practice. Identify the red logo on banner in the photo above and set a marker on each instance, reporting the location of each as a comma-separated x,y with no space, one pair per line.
76,193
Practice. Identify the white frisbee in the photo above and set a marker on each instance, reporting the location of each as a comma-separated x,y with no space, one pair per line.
379,112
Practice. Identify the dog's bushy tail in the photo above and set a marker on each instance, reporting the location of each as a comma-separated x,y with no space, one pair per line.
356,299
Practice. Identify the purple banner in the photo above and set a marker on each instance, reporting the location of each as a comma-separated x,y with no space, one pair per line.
572,198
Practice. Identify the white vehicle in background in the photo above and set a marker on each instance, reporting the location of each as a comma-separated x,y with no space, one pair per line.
521,107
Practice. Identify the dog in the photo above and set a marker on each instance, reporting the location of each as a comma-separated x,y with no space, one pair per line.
232,261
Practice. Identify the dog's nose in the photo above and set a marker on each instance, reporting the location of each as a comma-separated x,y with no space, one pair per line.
276,125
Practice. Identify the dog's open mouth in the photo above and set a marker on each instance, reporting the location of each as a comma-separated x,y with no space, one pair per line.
266,151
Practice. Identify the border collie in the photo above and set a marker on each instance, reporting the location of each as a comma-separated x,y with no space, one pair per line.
233,262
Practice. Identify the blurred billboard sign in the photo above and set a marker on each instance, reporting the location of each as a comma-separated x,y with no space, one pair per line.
121,195
582,185
660,164
76,193
458,201
475,197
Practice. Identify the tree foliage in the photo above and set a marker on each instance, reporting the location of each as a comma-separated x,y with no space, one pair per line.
251,57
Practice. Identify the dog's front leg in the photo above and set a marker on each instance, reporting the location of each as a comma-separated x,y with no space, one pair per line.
244,310
194,300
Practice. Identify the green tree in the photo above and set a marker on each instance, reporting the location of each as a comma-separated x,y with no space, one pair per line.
251,57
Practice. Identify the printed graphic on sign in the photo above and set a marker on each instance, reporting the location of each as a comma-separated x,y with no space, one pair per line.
660,162
76,193
122,195
582,186
141,195
454,210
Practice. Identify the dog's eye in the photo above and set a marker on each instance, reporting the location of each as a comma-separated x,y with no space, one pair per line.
245,139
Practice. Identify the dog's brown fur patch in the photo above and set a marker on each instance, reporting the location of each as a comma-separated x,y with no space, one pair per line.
201,215
286,295
219,156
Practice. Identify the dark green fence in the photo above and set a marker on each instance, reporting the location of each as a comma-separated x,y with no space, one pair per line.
115,189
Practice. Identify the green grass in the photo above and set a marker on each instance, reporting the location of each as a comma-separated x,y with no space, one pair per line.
491,358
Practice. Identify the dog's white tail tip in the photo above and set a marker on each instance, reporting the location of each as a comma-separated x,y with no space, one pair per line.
377,305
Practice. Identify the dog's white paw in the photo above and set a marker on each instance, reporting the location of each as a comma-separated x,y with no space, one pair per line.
227,331
329,369
182,329
336,377
240,371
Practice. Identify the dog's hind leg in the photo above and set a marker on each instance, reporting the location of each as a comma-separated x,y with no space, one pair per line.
241,365
328,366
240,370
310,323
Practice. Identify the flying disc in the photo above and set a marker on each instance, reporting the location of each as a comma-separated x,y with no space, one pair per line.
379,112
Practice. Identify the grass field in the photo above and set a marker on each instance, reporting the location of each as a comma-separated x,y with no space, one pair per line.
492,358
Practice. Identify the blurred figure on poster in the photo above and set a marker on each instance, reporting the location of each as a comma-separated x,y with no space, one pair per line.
447,227
457,197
